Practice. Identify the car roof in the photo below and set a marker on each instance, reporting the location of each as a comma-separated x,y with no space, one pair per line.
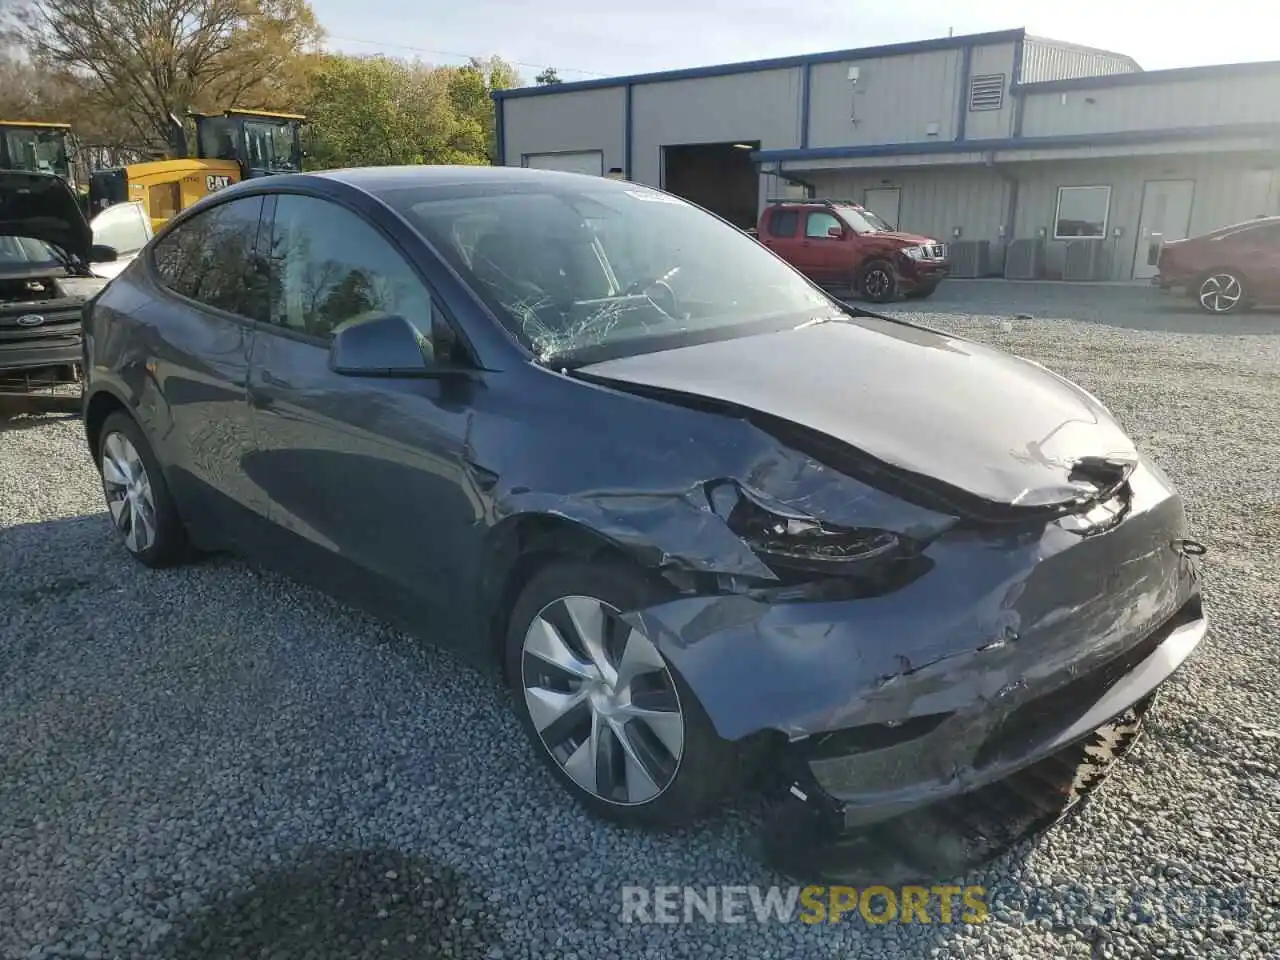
375,180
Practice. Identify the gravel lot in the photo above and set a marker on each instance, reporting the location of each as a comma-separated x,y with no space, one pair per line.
217,762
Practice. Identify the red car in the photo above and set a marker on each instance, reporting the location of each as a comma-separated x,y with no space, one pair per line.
1227,270
838,243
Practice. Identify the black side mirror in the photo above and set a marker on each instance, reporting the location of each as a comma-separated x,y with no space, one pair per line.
101,253
389,346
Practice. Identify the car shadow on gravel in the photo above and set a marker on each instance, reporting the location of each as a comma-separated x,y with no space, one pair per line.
343,904
14,416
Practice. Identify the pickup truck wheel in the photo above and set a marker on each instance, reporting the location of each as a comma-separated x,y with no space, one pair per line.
877,282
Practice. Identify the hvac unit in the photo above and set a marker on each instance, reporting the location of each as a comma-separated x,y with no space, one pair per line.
1087,260
1024,260
970,258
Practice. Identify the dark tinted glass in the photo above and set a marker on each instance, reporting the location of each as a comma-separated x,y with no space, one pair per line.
210,259
782,223
330,267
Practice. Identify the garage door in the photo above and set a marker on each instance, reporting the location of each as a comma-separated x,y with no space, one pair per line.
588,161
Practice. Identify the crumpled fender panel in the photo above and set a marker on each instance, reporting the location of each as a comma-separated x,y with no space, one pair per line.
651,501
996,614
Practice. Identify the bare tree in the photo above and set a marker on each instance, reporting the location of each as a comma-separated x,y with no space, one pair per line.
154,60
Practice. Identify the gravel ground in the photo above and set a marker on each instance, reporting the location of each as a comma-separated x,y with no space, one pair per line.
215,761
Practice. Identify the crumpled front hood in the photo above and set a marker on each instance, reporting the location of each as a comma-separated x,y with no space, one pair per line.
979,420
42,206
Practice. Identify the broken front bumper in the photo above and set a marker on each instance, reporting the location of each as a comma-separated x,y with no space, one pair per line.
1013,646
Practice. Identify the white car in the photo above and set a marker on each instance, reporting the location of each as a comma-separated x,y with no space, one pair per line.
126,228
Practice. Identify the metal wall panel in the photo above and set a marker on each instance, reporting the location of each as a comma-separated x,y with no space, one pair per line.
931,202
1173,105
763,107
895,100
990,61
1228,190
568,122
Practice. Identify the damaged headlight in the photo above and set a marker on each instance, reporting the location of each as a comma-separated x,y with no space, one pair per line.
787,540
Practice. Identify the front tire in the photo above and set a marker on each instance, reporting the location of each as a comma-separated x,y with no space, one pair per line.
138,500
877,282
601,705
1221,292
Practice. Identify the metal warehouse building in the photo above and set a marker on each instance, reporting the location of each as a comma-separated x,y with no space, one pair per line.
1034,158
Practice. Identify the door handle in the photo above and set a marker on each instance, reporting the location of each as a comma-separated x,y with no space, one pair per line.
273,381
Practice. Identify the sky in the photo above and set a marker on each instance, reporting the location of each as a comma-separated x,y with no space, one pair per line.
584,40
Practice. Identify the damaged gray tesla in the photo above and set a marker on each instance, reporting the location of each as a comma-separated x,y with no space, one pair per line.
704,517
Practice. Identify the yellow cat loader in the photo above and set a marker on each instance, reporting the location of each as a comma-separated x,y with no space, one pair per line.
37,147
230,147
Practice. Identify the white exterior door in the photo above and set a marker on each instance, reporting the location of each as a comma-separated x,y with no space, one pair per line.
586,161
1166,215
883,202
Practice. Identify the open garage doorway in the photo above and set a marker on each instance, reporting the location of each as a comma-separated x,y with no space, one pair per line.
718,176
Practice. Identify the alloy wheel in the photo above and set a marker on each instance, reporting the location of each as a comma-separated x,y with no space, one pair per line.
128,492
1220,293
876,283
602,700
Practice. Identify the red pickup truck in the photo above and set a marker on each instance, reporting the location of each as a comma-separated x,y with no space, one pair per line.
840,244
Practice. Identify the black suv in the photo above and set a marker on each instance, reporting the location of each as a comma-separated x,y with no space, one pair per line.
46,247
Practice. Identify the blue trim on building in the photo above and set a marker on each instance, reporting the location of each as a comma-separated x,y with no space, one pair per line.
1015,87
627,133
776,63
1221,71
499,134
1124,137
962,97
806,91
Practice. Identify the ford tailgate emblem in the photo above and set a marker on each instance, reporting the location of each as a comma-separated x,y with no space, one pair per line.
30,320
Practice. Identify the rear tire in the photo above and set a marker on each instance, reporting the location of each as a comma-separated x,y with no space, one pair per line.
603,709
138,500
1222,291
877,282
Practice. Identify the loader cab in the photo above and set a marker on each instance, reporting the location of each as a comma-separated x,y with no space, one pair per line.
37,147
262,143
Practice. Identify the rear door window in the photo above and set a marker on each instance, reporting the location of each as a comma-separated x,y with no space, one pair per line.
212,259
783,223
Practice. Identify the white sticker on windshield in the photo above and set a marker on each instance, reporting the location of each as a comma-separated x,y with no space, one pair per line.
652,196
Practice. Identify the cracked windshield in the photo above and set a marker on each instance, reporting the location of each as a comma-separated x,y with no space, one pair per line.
588,269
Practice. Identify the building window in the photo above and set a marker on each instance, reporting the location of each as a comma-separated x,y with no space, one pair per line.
1082,212
986,92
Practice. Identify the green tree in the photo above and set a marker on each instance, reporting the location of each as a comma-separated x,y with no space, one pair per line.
374,110
470,89
547,77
